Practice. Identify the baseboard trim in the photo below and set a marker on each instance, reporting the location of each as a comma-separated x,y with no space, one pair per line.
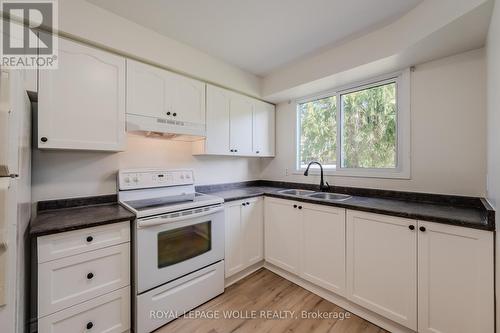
344,303
243,274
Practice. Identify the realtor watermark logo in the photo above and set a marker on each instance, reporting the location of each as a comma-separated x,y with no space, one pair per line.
27,35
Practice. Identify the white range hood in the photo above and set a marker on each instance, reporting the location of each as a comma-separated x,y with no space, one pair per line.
168,128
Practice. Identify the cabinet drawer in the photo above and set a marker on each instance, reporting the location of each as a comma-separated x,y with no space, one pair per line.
109,313
177,296
68,281
69,243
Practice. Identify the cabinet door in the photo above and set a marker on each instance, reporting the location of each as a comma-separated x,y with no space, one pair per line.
218,102
382,265
282,234
189,100
263,129
240,128
149,90
253,231
455,279
81,105
233,239
323,247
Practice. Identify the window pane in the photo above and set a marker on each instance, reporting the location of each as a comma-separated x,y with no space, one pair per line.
369,128
318,132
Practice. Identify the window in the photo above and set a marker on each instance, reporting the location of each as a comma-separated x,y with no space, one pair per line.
361,130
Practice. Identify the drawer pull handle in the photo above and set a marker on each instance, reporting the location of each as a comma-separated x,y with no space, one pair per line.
90,239
90,276
90,325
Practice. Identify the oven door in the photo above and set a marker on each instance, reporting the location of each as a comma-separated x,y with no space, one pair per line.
175,244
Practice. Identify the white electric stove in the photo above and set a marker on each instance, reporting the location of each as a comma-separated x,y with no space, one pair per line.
178,243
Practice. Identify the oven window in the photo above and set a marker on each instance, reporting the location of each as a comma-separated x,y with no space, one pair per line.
184,243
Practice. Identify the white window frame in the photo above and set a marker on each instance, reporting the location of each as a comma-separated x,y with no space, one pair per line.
403,129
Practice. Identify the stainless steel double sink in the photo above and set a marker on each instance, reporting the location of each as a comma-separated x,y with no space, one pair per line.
327,196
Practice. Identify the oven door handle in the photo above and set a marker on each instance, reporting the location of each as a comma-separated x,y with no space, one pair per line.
167,220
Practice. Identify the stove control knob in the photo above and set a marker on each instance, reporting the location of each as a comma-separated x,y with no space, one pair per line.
182,176
127,180
188,176
135,179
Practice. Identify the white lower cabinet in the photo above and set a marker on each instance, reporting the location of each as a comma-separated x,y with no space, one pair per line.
455,279
307,240
109,313
382,265
323,247
244,234
282,233
84,280
426,276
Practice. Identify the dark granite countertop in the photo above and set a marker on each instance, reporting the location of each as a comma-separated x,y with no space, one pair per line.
454,210
51,221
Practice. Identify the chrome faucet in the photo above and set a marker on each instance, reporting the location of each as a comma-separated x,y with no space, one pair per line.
323,186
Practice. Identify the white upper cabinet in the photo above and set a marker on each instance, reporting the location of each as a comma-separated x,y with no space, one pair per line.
217,141
158,93
237,125
81,105
189,100
263,129
149,90
382,265
240,125
455,279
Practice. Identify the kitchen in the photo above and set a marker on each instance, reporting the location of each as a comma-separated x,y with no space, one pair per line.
171,174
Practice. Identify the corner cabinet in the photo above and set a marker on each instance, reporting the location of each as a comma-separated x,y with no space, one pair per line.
237,125
244,234
81,105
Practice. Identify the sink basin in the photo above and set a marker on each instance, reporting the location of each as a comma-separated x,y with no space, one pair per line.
329,196
296,192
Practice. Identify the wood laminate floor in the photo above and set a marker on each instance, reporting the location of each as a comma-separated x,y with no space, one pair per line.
268,296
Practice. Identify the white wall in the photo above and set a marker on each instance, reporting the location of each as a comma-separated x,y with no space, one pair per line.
89,22
493,85
65,174
448,132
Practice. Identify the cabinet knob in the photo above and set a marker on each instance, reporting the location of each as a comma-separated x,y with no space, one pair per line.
422,228
248,203
168,113
411,227
257,152
90,325
90,239
90,276
243,204
294,206
232,150
44,139
236,150
300,207
174,114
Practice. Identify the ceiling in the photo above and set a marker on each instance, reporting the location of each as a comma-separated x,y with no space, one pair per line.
259,36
